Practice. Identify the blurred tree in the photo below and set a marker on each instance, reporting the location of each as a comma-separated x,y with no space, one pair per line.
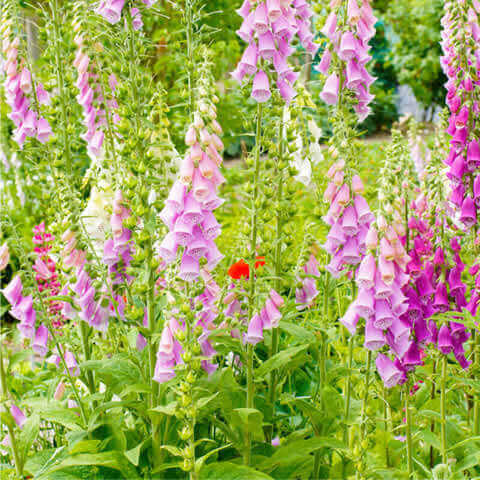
416,48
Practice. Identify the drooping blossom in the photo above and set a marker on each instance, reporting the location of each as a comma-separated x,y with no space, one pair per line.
380,278
4,256
436,270
306,294
46,275
91,305
349,218
111,11
22,307
266,319
188,214
461,63
23,94
344,59
188,211
269,28
18,416
99,104
118,250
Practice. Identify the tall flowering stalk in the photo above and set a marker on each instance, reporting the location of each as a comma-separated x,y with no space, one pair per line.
348,29
98,103
23,93
190,247
269,29
460,63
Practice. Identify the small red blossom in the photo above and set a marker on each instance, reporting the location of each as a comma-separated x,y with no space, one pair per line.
260,262
241,269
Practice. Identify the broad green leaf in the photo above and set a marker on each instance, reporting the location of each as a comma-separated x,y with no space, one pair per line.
231,471
62,416
202,402
113,459
430,438
308,408
133,454
175,451
201,461
465,442
136,388
85,446
469,461
298,450
249,419
41,461
112,405
18,357
167,466
280,360
297,332
168,409
29,434
115,372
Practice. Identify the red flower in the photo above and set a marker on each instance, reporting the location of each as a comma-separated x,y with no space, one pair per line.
260,262
241,269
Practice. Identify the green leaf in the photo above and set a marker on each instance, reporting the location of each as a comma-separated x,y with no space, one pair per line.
175,451
475,439
113,405
470,461
201,461
231,471
251,420
85,446
62,416
298,450
297,332
430,438
115,372
113,459
280,360
136,388
18,357
202,402
28,435
165,409
133,454
39,463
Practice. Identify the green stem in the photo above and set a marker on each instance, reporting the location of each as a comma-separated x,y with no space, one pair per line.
409,432
476,400
61,85
189,32
443,409
386,426
348,389
11,433
82,326
277,262
365,396
251,300
432,396
151,325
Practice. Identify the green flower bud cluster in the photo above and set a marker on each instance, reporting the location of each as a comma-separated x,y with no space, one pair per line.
397,164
